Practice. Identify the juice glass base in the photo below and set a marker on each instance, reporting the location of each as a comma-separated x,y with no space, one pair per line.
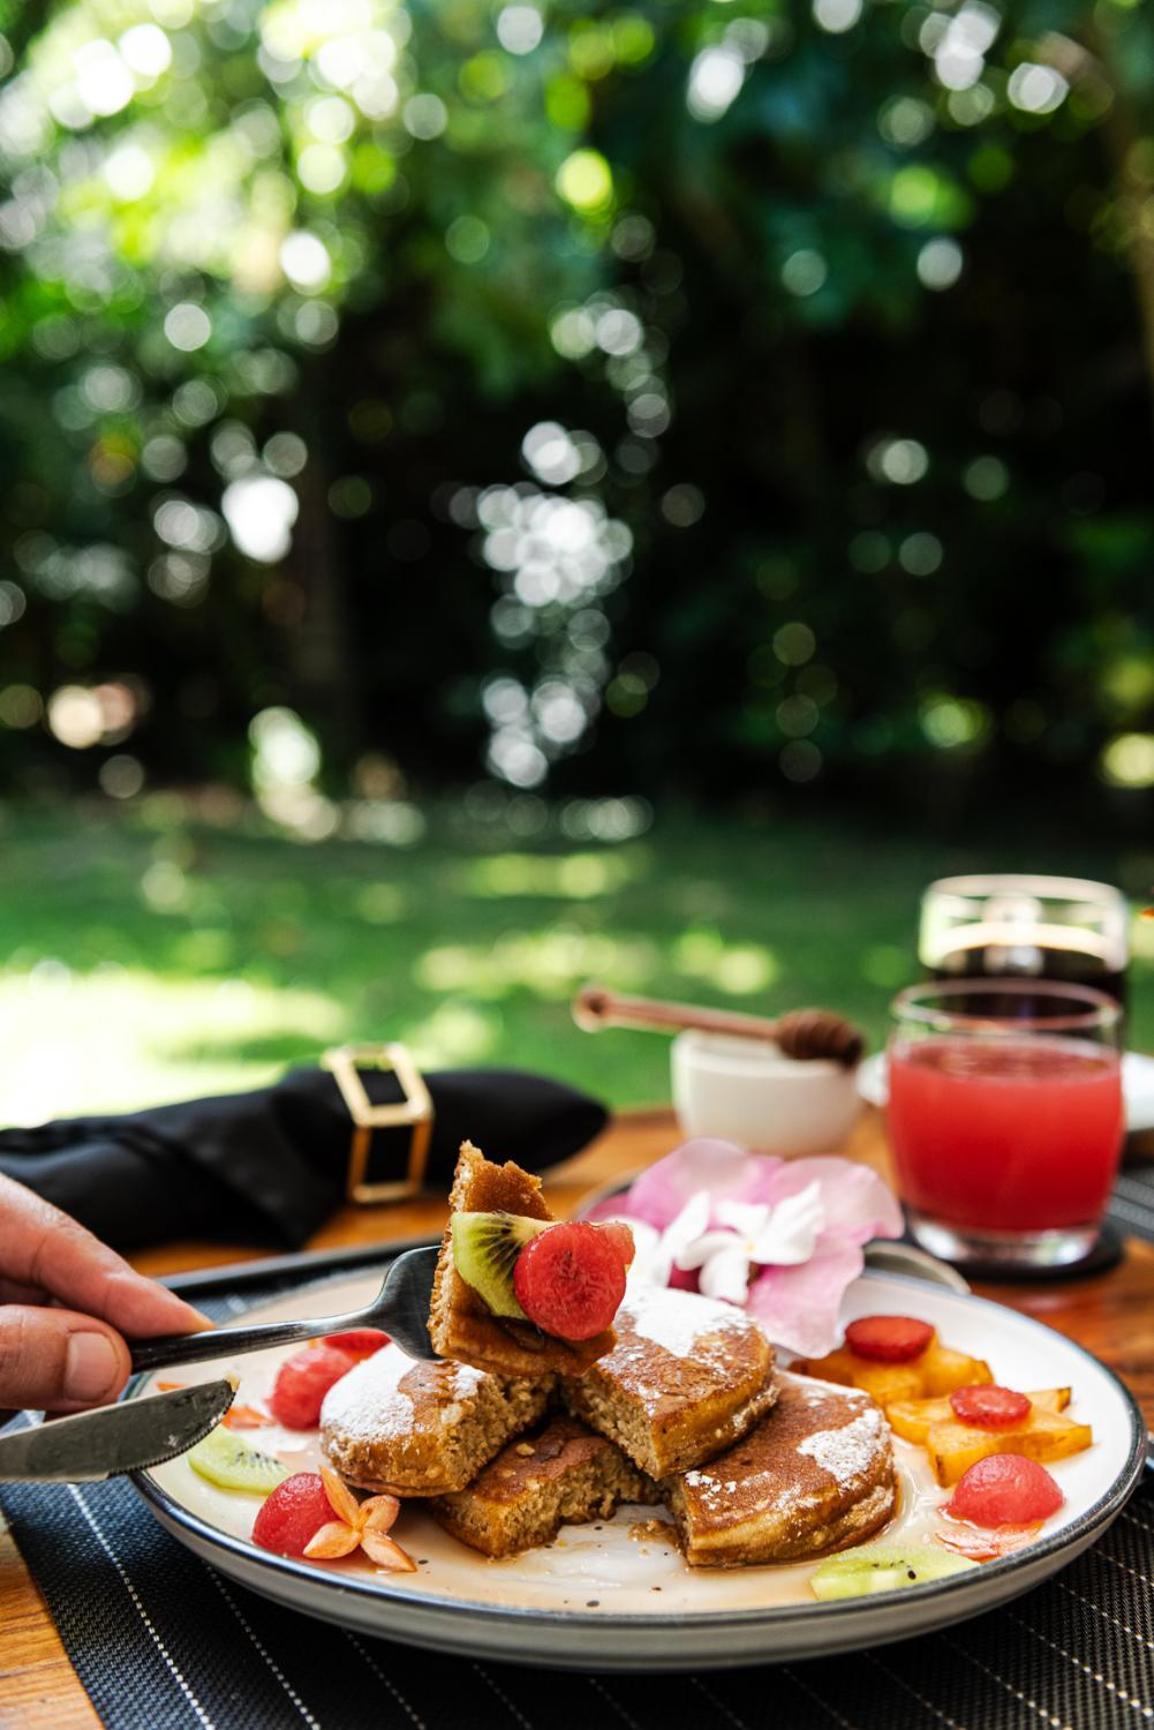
1058,1247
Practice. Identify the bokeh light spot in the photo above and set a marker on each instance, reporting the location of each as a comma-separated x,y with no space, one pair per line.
585,181
837,16
940,263
305,261
187,326
1128,761
804,272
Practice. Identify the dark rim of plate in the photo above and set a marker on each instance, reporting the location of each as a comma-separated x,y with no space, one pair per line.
960,1585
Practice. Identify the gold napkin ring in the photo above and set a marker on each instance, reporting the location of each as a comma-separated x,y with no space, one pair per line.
414,1108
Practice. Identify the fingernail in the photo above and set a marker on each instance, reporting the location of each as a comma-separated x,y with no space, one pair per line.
91,1368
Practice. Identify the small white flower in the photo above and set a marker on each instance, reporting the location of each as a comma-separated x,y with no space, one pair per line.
746,1234
654,1252
645,1268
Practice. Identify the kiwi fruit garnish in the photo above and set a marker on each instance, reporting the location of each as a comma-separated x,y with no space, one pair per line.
884,1568
231,1464
485,1251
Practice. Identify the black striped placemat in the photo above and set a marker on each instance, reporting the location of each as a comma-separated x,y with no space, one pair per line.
1132,1204
163,1642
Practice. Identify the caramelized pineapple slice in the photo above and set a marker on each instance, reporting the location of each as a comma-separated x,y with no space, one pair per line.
943,1370
836,1366
886,1383
937,1370
914,1419
883,1382
1044,1436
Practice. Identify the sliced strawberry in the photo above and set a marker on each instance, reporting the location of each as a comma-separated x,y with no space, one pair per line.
302,1383
292,1515
989,1407
570,1280
888,1339
357,1342
621,1238
1005,1490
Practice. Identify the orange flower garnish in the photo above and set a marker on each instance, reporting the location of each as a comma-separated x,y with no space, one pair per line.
245,1418
365,1524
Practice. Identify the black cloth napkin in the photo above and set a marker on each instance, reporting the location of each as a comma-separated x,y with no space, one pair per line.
270,1166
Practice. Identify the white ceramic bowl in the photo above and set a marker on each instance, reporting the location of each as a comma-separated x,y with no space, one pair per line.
745,1090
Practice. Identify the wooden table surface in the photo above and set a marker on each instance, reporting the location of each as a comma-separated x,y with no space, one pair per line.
1112,1314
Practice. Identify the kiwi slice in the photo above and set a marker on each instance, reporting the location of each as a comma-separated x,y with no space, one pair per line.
880,1568
231,1464
485,1251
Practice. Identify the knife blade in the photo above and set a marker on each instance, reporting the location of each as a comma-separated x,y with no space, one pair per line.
89,1446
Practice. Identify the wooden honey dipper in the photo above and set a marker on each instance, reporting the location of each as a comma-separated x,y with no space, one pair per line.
803,1034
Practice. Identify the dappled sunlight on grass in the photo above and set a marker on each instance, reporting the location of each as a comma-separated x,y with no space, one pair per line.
736,969
142,964
570,877
120,1037
455,1034
549,962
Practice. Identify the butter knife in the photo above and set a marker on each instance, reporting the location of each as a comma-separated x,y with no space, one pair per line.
89,1446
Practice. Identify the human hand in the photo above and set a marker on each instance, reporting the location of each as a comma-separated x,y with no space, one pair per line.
61,1359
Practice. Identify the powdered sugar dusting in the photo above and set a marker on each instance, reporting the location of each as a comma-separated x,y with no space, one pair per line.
368,1404
679,1320
849,1453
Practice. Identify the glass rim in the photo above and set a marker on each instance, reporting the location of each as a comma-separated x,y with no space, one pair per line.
977,883
1101,1010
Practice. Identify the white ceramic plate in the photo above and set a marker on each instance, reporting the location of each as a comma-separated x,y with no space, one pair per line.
602,1599
1137,1087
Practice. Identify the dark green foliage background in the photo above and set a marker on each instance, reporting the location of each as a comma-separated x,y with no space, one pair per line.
1034,631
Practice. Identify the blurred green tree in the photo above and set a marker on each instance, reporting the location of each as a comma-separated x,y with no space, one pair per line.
690,395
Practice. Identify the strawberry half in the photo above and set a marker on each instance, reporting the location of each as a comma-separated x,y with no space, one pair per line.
292,1515
357,1342
570,1279
302,1383
1005,1490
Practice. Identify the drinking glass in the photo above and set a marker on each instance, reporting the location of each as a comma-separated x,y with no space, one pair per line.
1023,926
1005,1117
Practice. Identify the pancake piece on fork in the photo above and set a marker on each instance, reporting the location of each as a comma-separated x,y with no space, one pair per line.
461,1324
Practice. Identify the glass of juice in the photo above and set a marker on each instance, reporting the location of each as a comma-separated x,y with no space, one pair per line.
1005,1117
1018,925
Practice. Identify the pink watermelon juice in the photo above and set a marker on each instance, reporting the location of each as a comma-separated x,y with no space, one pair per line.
1007,1134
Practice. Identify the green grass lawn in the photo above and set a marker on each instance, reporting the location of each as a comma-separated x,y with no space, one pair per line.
145,959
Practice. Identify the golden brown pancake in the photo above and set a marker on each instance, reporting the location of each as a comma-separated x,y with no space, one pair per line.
564,1476
423,1429
687,1377
461,1325
815,1475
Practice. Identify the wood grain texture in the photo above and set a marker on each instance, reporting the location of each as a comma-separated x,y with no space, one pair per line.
38,1686
1112,1315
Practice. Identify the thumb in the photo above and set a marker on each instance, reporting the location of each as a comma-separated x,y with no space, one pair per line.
57,1360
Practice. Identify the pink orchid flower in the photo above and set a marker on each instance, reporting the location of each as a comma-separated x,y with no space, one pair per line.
781,1238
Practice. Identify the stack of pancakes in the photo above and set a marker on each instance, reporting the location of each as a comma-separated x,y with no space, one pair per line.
685,1408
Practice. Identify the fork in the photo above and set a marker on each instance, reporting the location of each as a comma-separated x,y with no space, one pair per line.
400,1308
